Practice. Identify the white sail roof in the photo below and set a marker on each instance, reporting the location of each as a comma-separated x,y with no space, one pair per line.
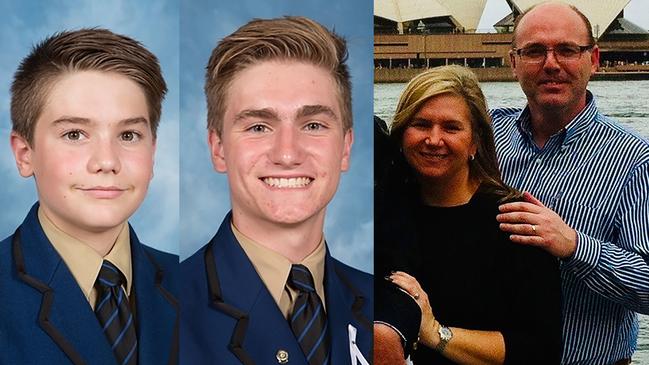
466,13
600,13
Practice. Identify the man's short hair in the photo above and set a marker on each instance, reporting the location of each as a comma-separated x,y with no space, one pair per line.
584,18
82,50
281,39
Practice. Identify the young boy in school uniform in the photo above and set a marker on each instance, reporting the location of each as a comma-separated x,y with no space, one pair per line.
77,285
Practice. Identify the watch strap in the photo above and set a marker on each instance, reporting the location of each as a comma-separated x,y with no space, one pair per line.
445,335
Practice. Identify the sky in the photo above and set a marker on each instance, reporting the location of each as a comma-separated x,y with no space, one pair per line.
154,23
204,192
637,11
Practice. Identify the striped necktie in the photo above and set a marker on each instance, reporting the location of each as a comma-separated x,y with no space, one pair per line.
114,314
308,319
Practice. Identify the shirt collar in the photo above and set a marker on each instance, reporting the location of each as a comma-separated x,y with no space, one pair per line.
273,268
571,132
120,255
83,261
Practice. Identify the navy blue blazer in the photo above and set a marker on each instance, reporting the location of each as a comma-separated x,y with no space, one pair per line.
45,317
229,317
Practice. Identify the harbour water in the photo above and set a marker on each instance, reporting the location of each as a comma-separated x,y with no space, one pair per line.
625,101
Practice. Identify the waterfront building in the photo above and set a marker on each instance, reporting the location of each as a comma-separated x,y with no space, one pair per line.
411,35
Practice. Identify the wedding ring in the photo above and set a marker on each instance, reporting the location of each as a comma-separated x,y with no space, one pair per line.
534,228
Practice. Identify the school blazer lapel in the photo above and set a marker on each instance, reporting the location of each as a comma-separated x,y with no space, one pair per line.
64,313
237,290
156,309
344,308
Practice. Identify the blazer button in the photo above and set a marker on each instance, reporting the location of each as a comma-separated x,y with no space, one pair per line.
282,357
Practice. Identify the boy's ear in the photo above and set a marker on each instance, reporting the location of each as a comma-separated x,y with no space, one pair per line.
155,146
216,151
347,149
23,154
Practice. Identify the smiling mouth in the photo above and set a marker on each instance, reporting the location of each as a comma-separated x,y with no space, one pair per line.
551,82
434,156
287,182
101,192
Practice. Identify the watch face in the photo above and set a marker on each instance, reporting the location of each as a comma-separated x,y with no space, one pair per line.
445,333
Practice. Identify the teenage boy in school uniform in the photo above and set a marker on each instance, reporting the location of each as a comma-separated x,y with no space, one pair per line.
77,285
265,289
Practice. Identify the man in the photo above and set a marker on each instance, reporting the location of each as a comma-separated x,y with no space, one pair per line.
77,285
588,184
265,289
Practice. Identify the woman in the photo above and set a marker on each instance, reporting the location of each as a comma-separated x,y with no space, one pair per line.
483,299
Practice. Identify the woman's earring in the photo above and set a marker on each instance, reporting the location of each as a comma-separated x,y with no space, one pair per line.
471,157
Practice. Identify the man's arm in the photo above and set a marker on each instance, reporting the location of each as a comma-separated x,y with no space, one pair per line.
617,270
620,270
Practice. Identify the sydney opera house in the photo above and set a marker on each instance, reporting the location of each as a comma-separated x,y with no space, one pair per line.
413,34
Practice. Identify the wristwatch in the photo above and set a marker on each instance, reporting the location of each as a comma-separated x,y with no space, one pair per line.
445,335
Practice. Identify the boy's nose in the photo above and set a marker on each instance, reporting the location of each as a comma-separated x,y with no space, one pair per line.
287,149
105,158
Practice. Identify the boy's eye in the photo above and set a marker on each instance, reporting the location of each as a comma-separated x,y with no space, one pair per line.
129,136
313,126
73,135
258,128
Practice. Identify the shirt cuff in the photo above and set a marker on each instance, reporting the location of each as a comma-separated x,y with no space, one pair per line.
586,256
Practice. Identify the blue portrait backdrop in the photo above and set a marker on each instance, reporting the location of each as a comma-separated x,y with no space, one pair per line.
152,22
204,193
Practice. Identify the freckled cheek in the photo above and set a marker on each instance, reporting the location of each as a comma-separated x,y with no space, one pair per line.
245,157
139,160
61,170
144,161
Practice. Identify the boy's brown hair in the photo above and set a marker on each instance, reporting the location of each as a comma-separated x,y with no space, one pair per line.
281,39
82,50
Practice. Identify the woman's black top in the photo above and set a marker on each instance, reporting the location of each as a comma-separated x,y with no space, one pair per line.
475,277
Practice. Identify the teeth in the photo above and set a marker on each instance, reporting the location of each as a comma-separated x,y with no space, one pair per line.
434,156
291,183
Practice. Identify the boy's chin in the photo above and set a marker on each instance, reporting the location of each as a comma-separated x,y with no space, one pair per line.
91,220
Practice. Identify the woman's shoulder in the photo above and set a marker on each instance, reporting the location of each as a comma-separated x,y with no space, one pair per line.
486,201
489,199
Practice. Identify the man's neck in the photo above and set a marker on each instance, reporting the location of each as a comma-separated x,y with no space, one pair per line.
546,122
293,241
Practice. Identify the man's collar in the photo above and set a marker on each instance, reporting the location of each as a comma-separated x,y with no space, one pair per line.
571,132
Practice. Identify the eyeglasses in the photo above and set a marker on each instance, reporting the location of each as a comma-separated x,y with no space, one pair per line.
564,53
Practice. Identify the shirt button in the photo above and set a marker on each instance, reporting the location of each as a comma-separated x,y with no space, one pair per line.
282,357
538,161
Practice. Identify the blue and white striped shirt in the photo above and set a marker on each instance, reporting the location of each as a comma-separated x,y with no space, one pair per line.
595,175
